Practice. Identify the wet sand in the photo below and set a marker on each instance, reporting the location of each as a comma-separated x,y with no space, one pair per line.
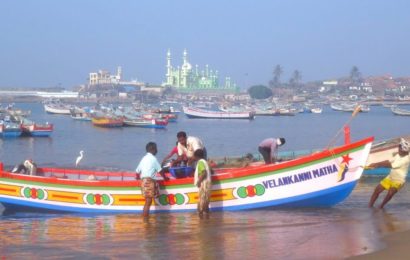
397,247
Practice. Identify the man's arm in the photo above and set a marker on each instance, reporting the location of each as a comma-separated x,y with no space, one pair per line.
383,164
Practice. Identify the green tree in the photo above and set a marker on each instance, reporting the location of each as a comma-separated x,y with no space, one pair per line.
277,73
260,92
294,81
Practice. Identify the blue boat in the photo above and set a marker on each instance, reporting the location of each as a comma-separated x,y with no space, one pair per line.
10,129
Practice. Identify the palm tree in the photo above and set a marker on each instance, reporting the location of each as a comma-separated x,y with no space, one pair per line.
277,72
295,79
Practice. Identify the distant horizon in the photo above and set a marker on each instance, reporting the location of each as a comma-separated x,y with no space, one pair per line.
49,43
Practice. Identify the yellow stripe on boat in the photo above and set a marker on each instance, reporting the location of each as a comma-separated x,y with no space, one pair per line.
129,200
216,195
64,196
10,190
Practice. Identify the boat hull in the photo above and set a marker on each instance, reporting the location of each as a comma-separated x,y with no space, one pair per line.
320,180
107,122
38,130
56,109
208,114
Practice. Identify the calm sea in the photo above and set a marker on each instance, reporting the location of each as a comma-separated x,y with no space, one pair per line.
347,229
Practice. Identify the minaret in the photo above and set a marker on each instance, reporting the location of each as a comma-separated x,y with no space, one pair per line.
184,69
185,58
169,69
119,73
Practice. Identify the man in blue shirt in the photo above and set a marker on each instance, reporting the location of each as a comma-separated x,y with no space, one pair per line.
148,169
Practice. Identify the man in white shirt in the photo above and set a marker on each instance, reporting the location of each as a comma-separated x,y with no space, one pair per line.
395,180
187,145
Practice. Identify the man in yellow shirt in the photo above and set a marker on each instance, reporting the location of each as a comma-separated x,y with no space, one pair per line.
395,180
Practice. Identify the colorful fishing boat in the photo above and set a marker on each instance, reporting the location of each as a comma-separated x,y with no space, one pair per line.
107,121
37,130
319,180
193,112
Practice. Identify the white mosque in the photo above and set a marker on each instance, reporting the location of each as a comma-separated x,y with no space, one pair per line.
188,78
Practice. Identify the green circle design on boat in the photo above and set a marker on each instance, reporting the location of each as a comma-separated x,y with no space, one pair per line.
34,193
179,199
98,199
250,191
242,192
171,199
260,189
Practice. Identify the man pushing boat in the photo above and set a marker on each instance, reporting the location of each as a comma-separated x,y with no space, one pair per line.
399,166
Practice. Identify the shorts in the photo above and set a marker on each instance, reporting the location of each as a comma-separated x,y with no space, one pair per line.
149,188
387,184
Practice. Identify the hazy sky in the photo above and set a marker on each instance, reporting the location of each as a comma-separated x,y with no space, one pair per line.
44,43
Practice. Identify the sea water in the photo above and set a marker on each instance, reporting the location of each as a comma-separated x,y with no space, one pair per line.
349,228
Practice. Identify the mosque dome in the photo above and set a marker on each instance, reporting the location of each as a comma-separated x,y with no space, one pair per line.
187,66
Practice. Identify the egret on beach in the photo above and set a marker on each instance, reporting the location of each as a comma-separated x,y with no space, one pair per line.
79,158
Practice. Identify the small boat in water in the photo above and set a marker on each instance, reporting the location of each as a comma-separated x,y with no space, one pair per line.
192,112
57,107
81,114
38,130
10,129
316,110
399,111
321,179
146,123
107,121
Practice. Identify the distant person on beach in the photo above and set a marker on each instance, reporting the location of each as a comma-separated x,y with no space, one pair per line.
202,179
187,145
173,152
399,166
148,169
268,148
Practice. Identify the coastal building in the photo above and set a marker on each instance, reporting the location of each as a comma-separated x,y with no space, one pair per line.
189,78
103,77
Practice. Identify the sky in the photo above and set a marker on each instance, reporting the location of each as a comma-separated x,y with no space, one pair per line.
47,43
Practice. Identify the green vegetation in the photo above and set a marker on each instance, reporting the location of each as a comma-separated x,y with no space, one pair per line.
260,92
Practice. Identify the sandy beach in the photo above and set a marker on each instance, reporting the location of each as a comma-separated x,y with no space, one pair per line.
396,247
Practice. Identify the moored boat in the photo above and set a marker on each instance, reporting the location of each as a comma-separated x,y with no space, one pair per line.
399,111
146,123
39,130
57,108
107,121
316,110
319,180
192,112
81,114
10,129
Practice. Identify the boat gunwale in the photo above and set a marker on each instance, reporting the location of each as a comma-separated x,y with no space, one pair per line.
230,175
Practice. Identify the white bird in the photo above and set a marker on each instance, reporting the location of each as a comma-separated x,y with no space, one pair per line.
79,158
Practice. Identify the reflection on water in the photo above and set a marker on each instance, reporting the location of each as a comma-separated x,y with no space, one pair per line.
342,231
